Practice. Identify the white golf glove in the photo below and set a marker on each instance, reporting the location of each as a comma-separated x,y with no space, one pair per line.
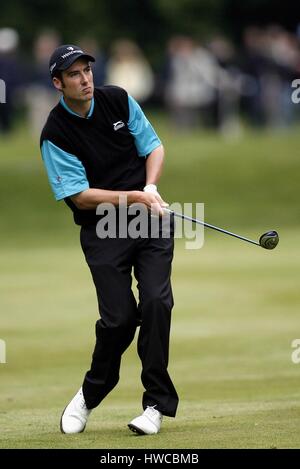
152,188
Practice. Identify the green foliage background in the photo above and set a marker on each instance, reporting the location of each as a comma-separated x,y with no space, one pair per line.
150,22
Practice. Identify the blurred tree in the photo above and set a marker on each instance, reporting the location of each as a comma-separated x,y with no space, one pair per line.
191,17
237,15
149,22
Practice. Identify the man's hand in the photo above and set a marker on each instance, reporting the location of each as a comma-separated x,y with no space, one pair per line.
157,208
150,198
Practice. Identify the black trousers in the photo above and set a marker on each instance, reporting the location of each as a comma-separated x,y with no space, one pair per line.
111,262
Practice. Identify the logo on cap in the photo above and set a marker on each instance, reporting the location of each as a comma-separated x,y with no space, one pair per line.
52,67
70,48
73,51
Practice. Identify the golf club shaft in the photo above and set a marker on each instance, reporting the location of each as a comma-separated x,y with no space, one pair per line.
212,227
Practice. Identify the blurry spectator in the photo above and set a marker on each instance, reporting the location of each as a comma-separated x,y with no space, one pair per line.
255,65
11,74
284,52
41,96
270,59
127,67
228,86
190,82
90,45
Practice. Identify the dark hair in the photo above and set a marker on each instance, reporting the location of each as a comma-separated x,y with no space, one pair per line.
58,74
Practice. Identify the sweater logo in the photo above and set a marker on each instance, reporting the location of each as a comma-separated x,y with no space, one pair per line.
118,125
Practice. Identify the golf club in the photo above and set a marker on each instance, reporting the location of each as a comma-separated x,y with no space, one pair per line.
268,240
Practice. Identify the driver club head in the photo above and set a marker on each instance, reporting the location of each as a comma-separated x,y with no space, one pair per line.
269,240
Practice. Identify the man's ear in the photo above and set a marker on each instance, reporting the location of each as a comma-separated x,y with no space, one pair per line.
57,83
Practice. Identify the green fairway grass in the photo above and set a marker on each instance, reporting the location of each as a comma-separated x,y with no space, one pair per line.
237,306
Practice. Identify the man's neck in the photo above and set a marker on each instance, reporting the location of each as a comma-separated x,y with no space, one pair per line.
81,108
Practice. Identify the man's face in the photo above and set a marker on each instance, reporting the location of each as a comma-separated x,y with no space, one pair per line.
77,81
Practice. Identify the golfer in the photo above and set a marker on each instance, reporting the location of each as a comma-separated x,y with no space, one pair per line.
98,147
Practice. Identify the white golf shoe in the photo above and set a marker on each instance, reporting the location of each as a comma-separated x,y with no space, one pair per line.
148,423
75,415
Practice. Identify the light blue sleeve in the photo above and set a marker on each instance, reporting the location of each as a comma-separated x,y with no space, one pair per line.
145,137
65,171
